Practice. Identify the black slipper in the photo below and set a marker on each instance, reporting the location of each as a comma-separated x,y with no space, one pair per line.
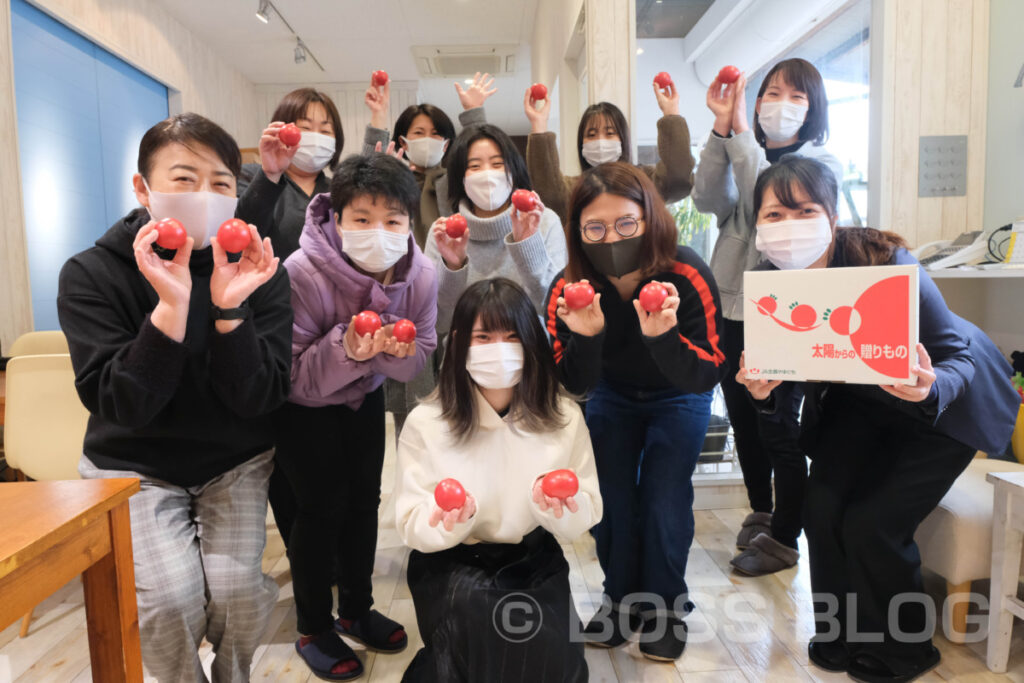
611,626
830,656
869,668
374,630
663,638
326,651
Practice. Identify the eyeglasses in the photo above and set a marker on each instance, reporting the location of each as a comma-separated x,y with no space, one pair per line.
626,226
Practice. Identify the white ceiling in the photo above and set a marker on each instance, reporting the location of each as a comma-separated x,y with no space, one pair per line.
352,38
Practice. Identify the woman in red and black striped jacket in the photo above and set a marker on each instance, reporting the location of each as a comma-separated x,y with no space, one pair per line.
647,378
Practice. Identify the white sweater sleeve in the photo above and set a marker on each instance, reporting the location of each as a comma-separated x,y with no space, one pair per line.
581,461
415,480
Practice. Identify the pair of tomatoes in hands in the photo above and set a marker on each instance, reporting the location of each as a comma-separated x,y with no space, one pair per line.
580,294
555,488
368,322
233,235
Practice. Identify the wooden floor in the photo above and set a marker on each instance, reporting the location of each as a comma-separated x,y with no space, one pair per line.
743,630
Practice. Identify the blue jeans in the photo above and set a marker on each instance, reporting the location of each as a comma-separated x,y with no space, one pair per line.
646,446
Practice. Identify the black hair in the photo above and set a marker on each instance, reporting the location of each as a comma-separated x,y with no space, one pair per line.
816,179
801,75
441,122
613,114
375,175
501,305
189,129
295,105
458,160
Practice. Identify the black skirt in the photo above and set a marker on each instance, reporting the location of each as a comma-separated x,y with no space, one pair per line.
496,613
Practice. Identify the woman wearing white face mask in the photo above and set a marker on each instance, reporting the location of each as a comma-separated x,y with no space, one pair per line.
496,424
603,136
356,253
882,457
424,133
791,117
180,357
484,167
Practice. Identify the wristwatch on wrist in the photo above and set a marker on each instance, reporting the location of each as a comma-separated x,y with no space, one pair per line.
243,312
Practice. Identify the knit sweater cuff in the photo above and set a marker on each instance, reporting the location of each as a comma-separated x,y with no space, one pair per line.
156,359
531,254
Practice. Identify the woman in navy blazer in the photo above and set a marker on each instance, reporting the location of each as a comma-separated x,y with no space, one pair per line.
882,457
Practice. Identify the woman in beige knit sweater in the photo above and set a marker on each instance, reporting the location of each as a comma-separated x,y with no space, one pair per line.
603,136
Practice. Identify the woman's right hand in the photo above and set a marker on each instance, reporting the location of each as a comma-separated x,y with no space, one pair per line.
478,91
171,279
365,347
452,250
587,321
739,105
452,517
538,117
760,389
720,102
275,156
376,99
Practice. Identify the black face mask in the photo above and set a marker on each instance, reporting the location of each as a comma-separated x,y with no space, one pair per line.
614,259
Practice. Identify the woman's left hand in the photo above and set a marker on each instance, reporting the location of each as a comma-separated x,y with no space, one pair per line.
546,503
658,323
232,283
668,99
478,91
395,348
524,224
925,379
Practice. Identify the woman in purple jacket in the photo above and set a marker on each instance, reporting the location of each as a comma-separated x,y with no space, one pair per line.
356,253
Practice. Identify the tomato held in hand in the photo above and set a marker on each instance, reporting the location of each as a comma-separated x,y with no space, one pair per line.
366,323
728,74
524,200
538,92
380,78
560,484
290,134
652,296
578,295
404,331
449,495
170,234
233,235
663,80
455,226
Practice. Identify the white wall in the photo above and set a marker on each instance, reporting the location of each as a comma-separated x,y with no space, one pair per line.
1004,163
666,54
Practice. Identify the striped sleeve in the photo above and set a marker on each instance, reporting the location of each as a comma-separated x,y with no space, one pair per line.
577,358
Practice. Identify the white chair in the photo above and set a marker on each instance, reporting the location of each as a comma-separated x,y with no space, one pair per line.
45,421
39,343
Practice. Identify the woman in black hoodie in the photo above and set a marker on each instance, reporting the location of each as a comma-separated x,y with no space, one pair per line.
177,356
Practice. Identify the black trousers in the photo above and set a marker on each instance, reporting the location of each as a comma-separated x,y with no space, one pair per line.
767,445
332,457
876,473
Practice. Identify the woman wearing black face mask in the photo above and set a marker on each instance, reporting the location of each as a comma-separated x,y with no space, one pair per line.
648,377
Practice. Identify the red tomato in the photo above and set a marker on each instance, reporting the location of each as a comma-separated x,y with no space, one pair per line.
455,226
524,200
366,323
233,235
380,77
663,80
728,74
803,316
652,296
560,484
449,495
170,234
578,295
538,91
290,134
404,331
767,304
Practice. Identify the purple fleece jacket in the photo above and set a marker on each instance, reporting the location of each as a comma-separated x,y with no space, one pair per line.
327,291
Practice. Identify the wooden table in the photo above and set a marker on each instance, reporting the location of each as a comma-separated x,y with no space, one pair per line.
55,530
3,395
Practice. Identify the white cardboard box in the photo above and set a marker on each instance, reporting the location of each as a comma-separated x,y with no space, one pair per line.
856,325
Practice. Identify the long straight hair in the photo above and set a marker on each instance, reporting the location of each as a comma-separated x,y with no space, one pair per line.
502,306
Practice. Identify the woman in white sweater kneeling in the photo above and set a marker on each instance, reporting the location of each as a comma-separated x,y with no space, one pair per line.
488,578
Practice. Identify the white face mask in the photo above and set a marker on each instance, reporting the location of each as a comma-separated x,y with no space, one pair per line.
200,212
496,366
374,250
794,244
314,152
425,152
602,151
781,120
489,189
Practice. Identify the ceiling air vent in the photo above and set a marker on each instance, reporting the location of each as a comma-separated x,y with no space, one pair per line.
447,61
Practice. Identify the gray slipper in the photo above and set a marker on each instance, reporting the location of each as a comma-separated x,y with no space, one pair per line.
764,556
755,523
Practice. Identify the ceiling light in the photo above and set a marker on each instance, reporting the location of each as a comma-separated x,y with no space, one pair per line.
300,51
262,13
639,50
468,81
